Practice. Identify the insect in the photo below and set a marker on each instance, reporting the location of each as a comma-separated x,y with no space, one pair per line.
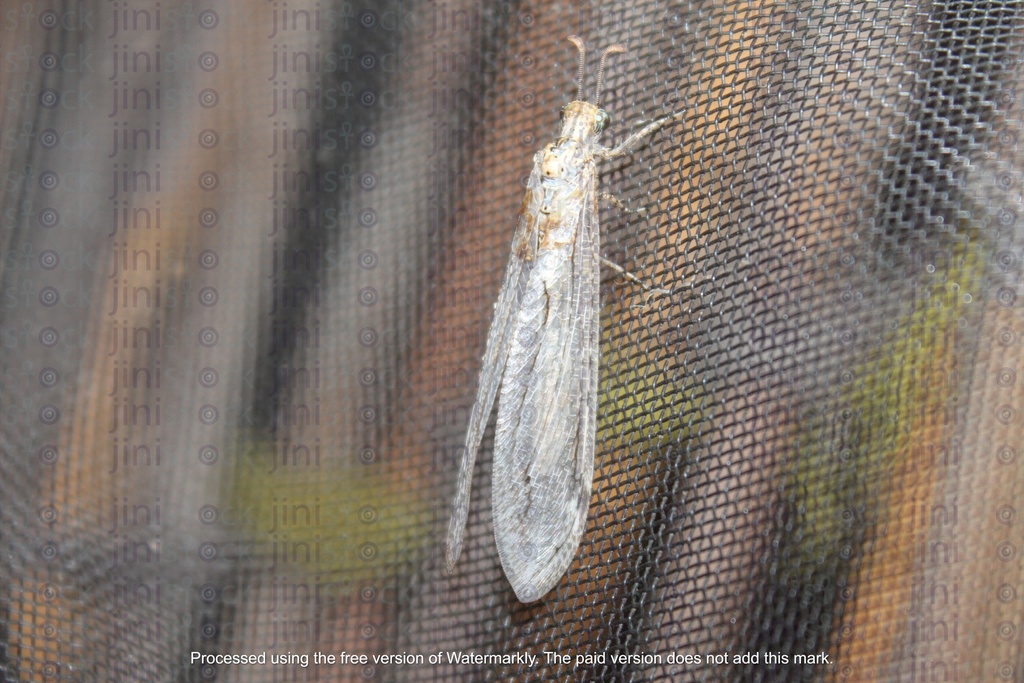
542,351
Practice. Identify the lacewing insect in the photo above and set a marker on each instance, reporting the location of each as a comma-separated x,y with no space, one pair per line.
542,351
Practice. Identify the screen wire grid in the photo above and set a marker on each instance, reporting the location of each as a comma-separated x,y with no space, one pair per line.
810,445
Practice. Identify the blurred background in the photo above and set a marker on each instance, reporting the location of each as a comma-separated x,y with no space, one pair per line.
249,257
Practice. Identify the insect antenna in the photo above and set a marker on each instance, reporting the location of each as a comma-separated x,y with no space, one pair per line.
581,46
611,49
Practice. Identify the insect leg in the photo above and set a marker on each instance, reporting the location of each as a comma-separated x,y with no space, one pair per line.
615,201
619,204
625,147
634,279
640,137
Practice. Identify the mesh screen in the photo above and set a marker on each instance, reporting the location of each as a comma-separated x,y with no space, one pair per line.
250,253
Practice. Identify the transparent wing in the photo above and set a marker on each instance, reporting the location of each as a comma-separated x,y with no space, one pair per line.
520,265
544,444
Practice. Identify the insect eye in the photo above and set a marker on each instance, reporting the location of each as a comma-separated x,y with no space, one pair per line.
602,120
561,112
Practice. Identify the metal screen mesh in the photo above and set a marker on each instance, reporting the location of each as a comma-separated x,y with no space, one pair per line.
250,253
